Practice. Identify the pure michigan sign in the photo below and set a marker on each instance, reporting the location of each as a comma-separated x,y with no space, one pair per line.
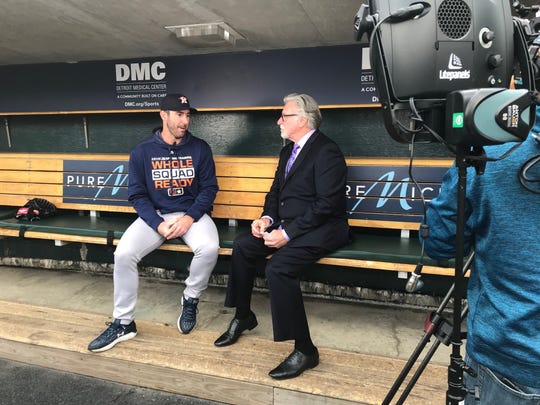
377,192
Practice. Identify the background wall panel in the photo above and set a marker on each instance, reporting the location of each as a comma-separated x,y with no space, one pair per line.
359,132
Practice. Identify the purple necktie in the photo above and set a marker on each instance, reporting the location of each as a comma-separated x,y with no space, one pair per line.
291,158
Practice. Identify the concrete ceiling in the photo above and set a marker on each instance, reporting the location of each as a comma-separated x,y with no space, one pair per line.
48,31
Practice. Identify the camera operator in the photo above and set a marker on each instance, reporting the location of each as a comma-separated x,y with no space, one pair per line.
503,227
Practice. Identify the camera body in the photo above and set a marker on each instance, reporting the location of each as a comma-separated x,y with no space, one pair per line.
452,45
421,51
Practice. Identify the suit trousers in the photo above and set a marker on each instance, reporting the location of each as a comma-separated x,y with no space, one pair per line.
140,239
282,271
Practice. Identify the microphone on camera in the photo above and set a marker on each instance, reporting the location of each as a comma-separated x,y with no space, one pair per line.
414,283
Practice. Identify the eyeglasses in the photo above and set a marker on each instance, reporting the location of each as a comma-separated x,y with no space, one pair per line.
283,116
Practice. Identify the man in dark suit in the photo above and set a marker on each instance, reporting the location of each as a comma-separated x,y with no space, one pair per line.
304,219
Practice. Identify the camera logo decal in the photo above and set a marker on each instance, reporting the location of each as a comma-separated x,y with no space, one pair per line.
455,70
454,62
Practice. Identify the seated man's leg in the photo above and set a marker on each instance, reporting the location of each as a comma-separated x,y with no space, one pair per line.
247,250
138,240
202,237
288,313
283,273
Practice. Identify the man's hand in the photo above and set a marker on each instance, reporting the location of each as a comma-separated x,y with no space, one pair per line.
176,227
275,239
259,226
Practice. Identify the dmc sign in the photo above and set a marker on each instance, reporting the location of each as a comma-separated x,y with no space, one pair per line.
140,71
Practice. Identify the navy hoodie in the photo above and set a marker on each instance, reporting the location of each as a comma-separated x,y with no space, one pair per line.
169,178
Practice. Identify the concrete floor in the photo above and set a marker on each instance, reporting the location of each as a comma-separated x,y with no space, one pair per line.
363,328
52,387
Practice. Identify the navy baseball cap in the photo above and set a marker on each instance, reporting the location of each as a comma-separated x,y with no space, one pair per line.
176,102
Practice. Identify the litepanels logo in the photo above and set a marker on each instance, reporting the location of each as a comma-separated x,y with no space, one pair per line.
455,70
454,62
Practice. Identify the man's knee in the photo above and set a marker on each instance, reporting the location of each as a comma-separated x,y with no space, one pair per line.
247,246
207,249
242,241
273,271
278,267
124,254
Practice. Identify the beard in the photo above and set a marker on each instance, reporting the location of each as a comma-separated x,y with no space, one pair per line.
177,132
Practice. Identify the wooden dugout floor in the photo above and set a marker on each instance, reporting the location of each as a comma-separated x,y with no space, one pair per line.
161,358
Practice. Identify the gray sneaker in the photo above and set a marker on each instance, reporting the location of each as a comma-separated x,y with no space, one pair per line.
188,318
115,333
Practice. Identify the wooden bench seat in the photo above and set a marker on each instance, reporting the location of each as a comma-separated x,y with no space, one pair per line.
161,358
90,192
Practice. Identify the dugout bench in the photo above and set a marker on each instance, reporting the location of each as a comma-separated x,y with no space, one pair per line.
90,192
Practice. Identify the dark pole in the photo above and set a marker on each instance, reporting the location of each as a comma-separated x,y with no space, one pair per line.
456,390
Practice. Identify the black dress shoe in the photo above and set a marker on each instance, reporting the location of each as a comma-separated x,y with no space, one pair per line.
236,327
294,365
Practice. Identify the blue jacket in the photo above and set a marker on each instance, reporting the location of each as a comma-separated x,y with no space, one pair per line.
503,227
171,178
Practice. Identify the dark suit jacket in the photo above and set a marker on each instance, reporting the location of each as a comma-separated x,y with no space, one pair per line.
310,203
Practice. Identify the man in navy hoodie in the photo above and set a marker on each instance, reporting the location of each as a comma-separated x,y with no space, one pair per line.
172,186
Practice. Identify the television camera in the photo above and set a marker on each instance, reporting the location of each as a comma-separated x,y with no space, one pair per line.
443,68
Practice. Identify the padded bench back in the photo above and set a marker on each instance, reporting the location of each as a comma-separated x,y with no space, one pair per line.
379,191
